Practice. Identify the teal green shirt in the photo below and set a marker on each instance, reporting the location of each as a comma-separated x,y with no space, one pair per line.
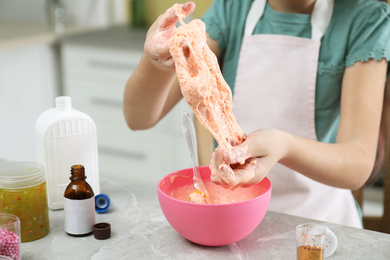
359,30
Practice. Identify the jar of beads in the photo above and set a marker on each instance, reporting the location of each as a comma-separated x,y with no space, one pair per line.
23,194
9,237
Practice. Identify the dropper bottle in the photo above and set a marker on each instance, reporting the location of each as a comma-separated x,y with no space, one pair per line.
79,204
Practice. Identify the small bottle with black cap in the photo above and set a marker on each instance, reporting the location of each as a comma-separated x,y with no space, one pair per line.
79,204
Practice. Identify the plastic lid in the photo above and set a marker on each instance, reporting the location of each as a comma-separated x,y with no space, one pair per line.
102,230
102,203
16,175
330,243
63,103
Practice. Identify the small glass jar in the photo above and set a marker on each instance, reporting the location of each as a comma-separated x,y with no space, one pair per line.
10,237
310,241
23,194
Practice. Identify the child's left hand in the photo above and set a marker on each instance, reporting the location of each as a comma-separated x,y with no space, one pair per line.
248,163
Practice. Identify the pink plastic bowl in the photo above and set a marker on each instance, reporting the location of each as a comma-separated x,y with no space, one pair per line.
211,224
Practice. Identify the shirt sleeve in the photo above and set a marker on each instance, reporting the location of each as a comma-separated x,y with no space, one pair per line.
216,22
370,35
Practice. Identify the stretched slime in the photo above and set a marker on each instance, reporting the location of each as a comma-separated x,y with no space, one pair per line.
208,94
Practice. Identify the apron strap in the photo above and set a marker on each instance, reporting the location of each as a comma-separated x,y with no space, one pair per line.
320,18
254,15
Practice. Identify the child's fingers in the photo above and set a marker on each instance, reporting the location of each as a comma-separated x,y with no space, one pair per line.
237,154
170,16
188,8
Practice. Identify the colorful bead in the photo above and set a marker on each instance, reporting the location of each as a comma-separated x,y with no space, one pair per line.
9,244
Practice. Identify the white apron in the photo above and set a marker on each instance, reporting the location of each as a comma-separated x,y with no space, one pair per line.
276,75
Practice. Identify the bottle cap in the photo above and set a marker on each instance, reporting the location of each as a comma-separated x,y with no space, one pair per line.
102,203
102,230
63,103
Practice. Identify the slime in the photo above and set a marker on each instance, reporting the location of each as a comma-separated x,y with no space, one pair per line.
209,96
217,194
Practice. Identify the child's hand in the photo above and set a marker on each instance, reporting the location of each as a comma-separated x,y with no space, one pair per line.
230,175
157,39
249,162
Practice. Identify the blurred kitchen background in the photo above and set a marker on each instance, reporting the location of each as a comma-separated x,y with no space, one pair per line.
87,49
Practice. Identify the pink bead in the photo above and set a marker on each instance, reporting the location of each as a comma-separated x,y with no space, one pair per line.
9,244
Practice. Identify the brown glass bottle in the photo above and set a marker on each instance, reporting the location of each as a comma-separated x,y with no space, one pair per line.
79,204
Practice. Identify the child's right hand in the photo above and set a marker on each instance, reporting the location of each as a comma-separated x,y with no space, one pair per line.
157,39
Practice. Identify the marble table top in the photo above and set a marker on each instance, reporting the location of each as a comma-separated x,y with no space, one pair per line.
140,231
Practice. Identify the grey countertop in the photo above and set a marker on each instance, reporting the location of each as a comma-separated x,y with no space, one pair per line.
140,231
20,34
116,37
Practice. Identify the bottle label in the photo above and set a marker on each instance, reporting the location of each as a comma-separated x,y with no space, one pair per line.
79,216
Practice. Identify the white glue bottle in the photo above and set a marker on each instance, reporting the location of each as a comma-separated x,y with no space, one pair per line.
64,137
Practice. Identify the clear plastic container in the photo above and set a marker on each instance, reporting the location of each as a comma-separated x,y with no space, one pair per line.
3,257
310,241
10,237
64,137
23,194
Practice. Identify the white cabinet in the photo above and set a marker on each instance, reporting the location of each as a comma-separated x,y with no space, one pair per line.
27,88
95,76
